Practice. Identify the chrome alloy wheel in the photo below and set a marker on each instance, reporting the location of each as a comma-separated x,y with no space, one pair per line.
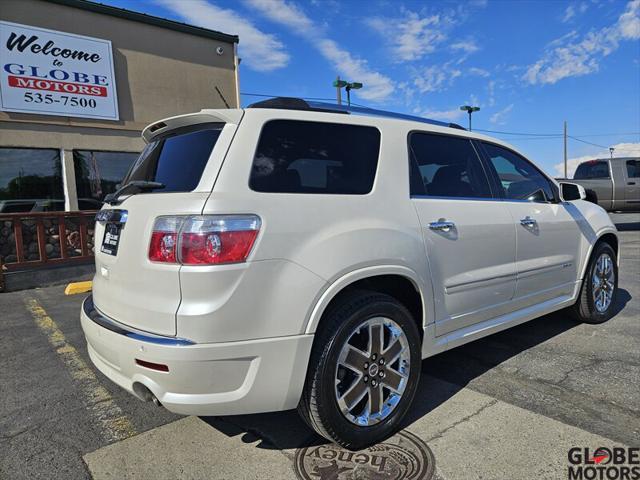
603,282
372,371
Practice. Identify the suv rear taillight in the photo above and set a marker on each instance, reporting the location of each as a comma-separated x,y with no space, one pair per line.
164,239
203,239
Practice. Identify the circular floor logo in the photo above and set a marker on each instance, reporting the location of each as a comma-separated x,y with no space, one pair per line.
403,456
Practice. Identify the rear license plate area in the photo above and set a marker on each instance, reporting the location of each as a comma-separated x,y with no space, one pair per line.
111,239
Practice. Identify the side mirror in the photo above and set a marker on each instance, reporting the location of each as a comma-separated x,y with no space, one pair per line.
572,191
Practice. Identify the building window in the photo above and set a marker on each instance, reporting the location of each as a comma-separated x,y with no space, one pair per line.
30,180
98,173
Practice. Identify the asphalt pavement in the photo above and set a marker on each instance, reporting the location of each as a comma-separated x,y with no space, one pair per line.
509,406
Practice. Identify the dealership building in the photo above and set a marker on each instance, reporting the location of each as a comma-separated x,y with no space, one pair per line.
80,80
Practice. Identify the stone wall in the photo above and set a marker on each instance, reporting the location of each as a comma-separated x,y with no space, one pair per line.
70,241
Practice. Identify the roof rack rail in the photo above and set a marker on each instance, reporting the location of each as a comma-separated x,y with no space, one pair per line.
292,103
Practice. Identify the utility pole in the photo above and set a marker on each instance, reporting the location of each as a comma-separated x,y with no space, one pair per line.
611,150
565,149
469,109
338,90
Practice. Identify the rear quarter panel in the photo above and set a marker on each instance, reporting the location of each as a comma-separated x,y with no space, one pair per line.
129,287
327,235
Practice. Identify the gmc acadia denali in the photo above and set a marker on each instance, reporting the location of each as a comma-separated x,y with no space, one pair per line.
309,256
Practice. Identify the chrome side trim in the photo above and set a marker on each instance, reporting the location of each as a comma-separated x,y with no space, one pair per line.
480,199
480,283
95,316
515,200
530,272
507,277
433,197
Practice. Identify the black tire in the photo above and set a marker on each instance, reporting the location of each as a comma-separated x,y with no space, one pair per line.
318,405
585,309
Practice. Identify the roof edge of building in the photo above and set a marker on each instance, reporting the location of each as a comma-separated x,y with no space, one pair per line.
145,18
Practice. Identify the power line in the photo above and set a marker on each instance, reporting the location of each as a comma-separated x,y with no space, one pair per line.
550,137
558,134
273,96
520,133
588,143
607,134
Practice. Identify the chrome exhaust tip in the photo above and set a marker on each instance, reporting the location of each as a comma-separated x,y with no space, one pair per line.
143,393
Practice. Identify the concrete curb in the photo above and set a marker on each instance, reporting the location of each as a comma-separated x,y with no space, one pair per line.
78,287
46,277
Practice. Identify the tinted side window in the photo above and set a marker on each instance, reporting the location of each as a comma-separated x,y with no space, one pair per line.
176,159
592,169
445,166
633,168
314,157
519,179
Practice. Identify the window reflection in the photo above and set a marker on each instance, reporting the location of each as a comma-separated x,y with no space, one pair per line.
30,180
98,173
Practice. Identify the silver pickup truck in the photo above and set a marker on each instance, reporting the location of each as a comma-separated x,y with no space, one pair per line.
614,183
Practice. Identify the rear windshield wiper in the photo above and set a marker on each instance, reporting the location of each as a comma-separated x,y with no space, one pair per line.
135,186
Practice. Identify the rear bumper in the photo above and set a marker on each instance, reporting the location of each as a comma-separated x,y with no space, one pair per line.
203,379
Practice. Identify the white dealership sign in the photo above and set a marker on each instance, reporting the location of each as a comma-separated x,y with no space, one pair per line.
56,73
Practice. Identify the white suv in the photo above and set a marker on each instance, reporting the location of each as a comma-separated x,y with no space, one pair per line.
306,255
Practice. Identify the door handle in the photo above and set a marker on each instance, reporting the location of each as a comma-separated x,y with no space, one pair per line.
442,226
631,183
528,222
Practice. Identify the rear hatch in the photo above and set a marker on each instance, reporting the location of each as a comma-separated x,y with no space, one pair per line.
184,154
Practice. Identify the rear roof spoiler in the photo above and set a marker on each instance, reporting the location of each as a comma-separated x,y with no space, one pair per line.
232,116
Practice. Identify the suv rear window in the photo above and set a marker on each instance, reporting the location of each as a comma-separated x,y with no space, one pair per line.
314,157
177,158
592,169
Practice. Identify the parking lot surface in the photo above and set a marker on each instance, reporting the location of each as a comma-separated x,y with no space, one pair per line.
509,406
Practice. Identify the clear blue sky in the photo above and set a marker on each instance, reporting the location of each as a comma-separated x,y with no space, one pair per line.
529,65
